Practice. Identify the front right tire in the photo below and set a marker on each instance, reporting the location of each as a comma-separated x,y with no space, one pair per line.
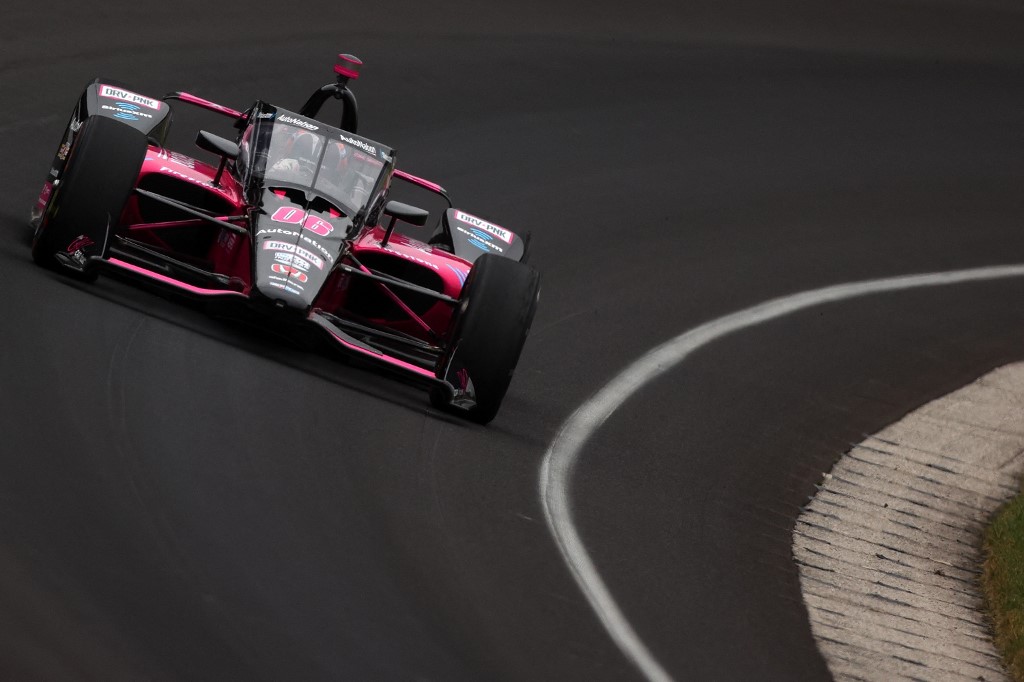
492,321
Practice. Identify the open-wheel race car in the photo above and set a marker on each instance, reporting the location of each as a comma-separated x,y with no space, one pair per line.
295,226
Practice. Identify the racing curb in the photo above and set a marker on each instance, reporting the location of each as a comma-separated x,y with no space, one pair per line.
889,548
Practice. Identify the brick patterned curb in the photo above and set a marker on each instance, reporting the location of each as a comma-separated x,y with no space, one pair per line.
889,548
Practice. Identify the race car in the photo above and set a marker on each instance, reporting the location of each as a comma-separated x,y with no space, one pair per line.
289,227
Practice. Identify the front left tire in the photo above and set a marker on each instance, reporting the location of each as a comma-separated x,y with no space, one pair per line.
100,174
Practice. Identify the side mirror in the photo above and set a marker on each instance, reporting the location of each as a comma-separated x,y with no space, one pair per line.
216,145
404,212
225,149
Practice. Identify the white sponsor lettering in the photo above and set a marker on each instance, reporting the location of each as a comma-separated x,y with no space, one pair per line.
289,289
297,250
478,240
290,233
183,176
129,96
297,122
277,230
499,232
290,259
183,160
414,259
127,112
290,282
359,143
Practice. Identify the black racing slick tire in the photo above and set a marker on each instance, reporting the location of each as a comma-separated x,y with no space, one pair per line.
101,172
492,321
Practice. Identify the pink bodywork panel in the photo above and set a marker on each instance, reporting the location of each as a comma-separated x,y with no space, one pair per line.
199,291
208,105
451,268
432,186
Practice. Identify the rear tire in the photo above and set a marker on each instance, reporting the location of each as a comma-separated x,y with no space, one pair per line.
102,169
491,324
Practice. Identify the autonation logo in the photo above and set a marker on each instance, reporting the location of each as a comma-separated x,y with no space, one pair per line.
369,148
298,122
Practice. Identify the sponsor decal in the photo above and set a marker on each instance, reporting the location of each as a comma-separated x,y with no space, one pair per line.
293,260
480,239
273,245
74,125
296,216
44,196
289,271
266,115
297,122
82,242
182,160
499,232
369,148
184,176
277,230
462,376
406,240
126,112
62,153
286,284
414,259
128,96
311,242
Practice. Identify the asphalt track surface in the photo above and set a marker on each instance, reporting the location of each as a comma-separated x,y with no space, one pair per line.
185,499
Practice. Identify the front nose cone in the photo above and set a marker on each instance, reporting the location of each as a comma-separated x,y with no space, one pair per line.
285,297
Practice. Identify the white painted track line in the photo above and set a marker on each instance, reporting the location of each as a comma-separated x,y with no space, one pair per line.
563,454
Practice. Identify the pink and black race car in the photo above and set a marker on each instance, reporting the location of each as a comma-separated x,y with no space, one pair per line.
290,225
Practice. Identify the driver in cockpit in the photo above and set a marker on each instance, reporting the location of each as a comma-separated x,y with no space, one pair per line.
340,176
297,163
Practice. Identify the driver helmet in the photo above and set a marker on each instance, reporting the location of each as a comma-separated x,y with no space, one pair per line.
304,151
335,156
